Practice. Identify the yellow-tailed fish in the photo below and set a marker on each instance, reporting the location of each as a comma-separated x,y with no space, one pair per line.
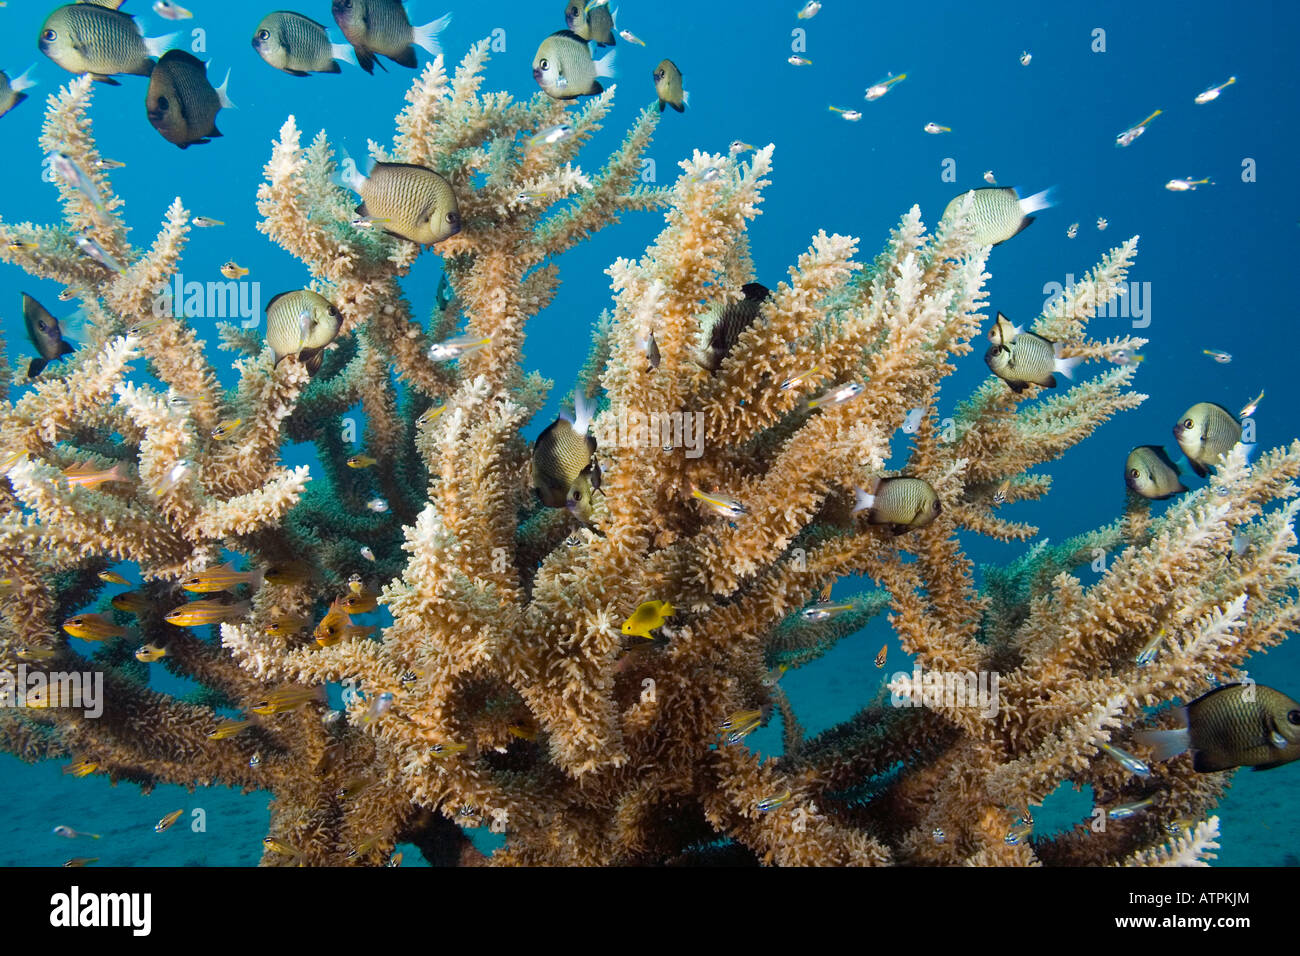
837,395
794,381
224,578
739,718
206,222
443,750
631,37
771,803
92,627
808,10
199,613
936,128
430,413
851,115
166,822
71,834
229,728
877,90
1220,356
354,786
1137,129
362,461
719,503
1187,185
225,429
279,846
458,347
1250,407
150,653
647,617
368,553
523,731
233,270
1102,223
286,699
1213,92
824,611
1126,810
552,134
902,504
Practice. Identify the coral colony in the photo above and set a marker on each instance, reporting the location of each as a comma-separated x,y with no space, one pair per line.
506,693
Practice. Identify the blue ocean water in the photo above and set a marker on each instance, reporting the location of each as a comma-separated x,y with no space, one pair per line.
1213,269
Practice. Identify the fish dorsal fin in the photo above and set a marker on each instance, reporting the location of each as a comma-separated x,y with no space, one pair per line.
569,35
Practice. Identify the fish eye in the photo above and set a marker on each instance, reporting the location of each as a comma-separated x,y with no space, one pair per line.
50,36
1188,423
264,34
76,622
162,103
40,324
453,218
1293,717
1132,472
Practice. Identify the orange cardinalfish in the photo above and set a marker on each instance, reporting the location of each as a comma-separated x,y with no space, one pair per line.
286,699
228,728
150,653
80,768
198,613
290,572
112,577
224,578
333,626
359,602
92,627
87,475
166,822
132,602
285,625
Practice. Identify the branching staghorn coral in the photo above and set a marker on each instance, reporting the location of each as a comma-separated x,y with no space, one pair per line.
504,695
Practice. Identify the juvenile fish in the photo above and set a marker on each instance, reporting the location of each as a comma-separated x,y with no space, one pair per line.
565,472
564,69
86,38
73,175
199,613
1237,725
1149,472
998,212
181,103
1206,432
719,503
12,91
646,618
298,45
411,202
149,653
381,28
902,504
458,347
45,333
88,476
668,87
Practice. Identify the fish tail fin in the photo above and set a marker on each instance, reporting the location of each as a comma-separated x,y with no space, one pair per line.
605,65
862,501
1043,200
223,94
239,609
256,578
1164,744
426,37
23,81
582,412
157,46
119,473
686,101
1065,366
93,836
343,52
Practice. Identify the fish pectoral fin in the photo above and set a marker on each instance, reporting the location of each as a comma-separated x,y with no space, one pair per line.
406,58
681,108
366,60
1017,387
1201,470
596,88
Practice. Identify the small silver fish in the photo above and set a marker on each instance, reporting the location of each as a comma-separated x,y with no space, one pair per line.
457,347
377,505
95,251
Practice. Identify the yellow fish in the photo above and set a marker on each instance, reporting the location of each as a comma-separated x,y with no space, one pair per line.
86,475
647,617
430,413
198,613
150,653
290,572
279,846
522,732
331,628
354,786
360,602
719,503
228,728
166,822
132,602
233,270
81,768
225,429
224,578
92,627
286,699
446,750
112,577
880,658
37,654
362,461
285,625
